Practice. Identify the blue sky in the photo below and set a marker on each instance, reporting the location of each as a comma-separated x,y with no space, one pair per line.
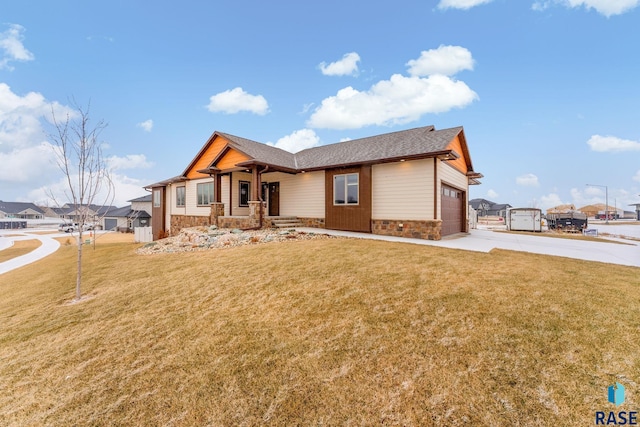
547,90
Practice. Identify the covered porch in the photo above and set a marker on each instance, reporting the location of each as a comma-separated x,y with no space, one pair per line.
253,196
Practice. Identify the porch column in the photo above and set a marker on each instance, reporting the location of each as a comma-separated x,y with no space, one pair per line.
217,191
255,205
217,211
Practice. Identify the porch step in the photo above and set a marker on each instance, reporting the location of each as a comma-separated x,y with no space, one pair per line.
286,222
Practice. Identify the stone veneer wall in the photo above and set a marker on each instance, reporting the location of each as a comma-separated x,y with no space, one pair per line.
241,222
312,222
178,222
428,230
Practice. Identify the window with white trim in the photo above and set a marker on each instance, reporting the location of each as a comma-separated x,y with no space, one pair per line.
180,197
346,189
204,193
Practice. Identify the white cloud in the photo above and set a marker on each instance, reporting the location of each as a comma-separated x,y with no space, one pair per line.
237,100
395,101
20,165
297,141
130,161
550,201
27,160
492,194
447,60
461,4
605,7
400,99
528,180
12,48
147,125
348,65
636,177
612,143
125,188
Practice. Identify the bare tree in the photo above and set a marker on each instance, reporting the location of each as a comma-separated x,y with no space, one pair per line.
79,157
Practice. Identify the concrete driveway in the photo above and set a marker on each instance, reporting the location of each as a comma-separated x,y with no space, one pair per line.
487,240
477,240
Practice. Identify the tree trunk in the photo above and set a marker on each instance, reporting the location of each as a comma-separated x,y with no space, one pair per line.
79,276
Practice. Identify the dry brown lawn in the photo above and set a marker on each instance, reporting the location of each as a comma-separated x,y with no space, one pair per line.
327,332
21,247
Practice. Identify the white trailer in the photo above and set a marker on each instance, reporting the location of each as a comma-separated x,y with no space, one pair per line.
524,219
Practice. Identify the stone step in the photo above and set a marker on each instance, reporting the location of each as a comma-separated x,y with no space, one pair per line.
289,222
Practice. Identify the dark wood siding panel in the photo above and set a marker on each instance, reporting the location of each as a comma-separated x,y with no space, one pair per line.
158,213
349,217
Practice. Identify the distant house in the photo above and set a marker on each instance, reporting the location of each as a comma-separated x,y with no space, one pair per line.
411,183
15,214
485,207
598,211
129,217
20,210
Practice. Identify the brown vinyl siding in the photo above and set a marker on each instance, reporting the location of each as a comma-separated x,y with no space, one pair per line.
349,217
158,212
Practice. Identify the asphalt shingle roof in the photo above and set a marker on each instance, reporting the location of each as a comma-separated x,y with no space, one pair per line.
18,207
411,143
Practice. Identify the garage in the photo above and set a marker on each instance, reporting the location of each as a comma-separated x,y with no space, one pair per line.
110,223
452,205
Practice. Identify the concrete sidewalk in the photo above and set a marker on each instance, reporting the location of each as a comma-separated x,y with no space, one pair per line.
48,246
486,240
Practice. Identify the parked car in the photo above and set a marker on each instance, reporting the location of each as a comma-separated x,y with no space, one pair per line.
67,227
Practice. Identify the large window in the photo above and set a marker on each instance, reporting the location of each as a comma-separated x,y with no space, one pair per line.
205,193
245,194
180,197
345,189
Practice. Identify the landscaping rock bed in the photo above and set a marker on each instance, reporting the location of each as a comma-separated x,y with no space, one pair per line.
205,238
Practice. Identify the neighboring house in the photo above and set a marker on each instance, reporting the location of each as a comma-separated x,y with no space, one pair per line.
485,207
20,210
14,214
598,210
126,219
93,213
129,217
410,183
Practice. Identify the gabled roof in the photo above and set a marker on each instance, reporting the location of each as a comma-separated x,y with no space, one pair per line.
18,207
413,143
146,198
416,143
127,212
265,154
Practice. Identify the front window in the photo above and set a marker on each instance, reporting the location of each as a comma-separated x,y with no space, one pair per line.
205,193
345,189
180,196
244,193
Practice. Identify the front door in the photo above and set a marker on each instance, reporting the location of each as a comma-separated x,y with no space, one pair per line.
274,199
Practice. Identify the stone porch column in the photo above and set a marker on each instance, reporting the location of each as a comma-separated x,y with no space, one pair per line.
255,213
217,211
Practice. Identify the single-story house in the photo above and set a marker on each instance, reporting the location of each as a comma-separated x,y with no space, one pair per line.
14,214
411,183
126,219
129,217
485,207
20,210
